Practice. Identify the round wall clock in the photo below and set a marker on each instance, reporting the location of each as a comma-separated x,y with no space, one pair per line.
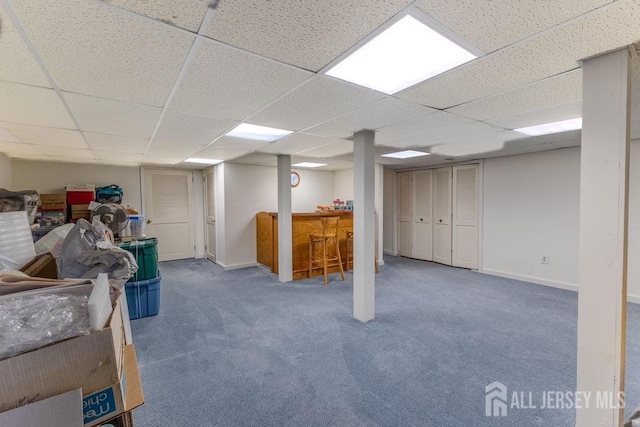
295,179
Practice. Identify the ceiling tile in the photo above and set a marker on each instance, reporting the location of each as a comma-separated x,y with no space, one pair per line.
45,135
226,83
296,143
187,14
330,150
552,114
420,129
113,117
241,144
555,90
507,151
547,54
6,136
117,157
22,68
257,159
220,153
377,115
32,105
491,25
65,159
173,149
188,128
15,148
318,100
74,153
155,159
97,50
306,34
116,144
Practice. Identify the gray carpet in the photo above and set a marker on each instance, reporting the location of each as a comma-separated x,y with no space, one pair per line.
239,348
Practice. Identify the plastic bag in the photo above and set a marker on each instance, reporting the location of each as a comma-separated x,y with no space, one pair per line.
51,239
86,252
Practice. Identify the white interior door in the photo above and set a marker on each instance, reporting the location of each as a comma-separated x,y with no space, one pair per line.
210,214
465,216
169,206
422,247
403,203
442,215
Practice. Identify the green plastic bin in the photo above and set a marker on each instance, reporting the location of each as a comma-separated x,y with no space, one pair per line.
145,252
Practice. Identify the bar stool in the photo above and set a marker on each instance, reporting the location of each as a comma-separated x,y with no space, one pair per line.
350,252
320,242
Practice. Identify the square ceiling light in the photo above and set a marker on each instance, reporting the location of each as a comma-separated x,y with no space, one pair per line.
309,165
407,154
259,133
404,54
554,127
202,161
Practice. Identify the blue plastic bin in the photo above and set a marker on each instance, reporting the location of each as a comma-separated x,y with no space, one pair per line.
143,298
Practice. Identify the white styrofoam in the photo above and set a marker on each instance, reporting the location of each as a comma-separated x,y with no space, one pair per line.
99,305
16,240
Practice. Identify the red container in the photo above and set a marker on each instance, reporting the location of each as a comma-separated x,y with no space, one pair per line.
78,194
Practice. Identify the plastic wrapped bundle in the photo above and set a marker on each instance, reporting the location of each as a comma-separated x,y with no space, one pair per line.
16,240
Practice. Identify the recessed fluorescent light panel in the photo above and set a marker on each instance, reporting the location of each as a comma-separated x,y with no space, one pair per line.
406,53
555,127
260,133
407,154
202,161
309,165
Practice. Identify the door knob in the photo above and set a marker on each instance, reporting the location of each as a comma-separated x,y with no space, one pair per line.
440,220
420,219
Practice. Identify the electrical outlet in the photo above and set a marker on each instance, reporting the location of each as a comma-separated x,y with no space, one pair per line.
544,259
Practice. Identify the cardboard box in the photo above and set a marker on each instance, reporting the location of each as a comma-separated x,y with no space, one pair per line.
91,362
117,398
61,410
79,208
53,201
44,266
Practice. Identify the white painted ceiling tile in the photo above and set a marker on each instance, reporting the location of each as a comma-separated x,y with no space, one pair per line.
547,54
307,34
32,105
155,159
97,50
297,143
45,135
318,100
330,150
187,14
6,136
421,128
13,148
53,151
226,83
65,159
241,144
111,156
491,25
188,128
22,67
257,159
113,117
116,144
561,89
551,114
220,153
507,151
374,116
173,149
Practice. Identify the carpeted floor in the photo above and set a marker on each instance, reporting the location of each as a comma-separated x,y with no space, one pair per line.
239,348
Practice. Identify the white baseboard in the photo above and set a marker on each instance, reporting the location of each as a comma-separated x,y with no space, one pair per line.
530,279
551,283
237,266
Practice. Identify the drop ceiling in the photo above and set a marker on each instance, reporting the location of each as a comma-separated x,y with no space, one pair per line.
152,83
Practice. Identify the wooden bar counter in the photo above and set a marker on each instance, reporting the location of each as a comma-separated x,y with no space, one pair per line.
302,224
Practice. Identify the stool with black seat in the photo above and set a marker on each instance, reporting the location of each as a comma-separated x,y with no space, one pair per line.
320,245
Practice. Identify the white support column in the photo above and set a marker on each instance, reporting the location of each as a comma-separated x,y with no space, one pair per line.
604,176
363,225
285,262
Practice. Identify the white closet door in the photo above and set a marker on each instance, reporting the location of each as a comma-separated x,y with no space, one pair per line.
422,215
210,215
465,216
442,215
403,204
169,206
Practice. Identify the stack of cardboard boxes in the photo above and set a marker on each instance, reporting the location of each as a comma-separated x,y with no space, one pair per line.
78,198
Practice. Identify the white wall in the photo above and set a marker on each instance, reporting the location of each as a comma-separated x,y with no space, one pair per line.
52,177
343,185
5,172
531,207
246,190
